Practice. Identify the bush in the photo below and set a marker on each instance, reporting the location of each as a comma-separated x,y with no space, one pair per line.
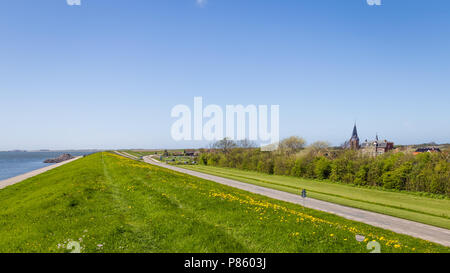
425,172
322,168
361,177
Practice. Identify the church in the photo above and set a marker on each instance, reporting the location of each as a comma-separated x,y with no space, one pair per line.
372,148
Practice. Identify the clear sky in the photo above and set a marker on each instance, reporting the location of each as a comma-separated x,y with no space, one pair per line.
106,74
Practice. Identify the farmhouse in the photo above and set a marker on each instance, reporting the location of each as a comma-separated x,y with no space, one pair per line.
427,150
190,152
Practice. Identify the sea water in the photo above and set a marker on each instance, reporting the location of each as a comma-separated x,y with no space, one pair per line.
16,163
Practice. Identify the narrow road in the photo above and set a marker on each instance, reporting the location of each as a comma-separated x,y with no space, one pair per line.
418,230
124,154
22,177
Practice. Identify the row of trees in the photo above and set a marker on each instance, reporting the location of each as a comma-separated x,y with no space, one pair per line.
427,172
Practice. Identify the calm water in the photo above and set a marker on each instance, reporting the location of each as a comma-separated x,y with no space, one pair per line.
16,163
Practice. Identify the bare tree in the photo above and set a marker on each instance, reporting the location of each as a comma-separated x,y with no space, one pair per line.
319,147
246,144
225,145
292,145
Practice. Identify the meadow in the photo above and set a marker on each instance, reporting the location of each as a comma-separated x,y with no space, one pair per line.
110,204
177,160
169,159
406,205
140,154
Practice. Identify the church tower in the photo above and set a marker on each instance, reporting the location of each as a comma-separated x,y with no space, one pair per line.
354,140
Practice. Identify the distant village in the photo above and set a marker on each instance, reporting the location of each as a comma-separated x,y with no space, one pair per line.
374,148
378,147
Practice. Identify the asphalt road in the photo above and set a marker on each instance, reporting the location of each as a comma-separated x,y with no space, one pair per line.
418,230
125,154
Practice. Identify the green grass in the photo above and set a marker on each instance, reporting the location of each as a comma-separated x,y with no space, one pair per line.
176,160
139,154
114,204
151,152
432,211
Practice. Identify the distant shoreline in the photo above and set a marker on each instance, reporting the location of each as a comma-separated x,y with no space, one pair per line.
52,151
17,179
13,164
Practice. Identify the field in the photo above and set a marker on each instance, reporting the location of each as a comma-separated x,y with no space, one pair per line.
177,160
409,206
139,154
174,160
108,203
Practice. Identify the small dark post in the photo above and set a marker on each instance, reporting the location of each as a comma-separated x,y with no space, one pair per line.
304,196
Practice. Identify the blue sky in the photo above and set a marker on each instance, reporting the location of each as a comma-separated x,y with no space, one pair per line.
106,74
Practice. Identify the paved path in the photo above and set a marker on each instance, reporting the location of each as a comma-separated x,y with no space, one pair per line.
22,177
418,230
125,154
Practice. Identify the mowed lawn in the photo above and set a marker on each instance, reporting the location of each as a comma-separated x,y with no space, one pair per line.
432,211
113,204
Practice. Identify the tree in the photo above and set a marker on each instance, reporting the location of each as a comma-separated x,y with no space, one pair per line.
361,175
292,145
427,172
246,144
322,167
320,145
319,148
225,145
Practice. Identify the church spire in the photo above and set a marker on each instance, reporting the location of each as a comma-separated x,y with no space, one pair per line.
355,133
354,141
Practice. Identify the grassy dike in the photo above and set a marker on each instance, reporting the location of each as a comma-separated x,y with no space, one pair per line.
432,211
112,204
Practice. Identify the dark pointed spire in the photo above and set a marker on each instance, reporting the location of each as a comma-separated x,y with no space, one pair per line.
354,141
355,133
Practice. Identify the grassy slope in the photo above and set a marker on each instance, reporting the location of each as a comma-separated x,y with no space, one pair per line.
113,204
138,154
408,206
